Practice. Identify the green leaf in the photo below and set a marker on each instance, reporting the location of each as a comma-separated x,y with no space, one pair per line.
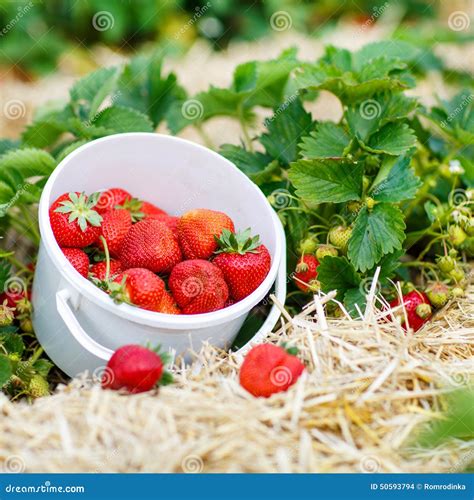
5,271
285,128
42,367
13,343
257,166
117,119
42,134
8,145
88,93
143,87
353,297
320,181
337,273
392,139
5,370
400,184
327,141
375,233
390,49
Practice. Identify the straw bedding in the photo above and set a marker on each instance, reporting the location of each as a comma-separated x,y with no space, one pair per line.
367,386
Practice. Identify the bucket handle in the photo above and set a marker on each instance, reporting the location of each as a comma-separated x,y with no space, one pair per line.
75,328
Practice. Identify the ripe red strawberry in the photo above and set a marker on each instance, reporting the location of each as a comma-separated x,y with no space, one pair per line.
268,369
417,307
114,228
134,368
111,198
168,304
150,210
98,270
139,287
244,262
13,298
79,260
169,220
150,244
198,286
306,273
197,230
74,221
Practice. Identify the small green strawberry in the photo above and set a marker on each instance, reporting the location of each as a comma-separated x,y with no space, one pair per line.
339,237
325,250
469,226
446,263
457,274
308,245
26,325
38,387
438,293
457,235
457,292
370,202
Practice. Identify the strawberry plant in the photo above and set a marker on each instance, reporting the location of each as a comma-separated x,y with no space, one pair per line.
388,184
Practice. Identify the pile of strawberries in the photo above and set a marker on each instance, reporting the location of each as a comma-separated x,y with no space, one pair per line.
136,252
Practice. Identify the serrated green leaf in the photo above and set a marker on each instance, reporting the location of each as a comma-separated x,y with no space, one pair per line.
142,86
8,145
13,343
42,367
391,49
88,93
400,184
117,119
5,370
337,273
375,234
320,181
257,166
42,134
392,139
27,162
327,141
285,128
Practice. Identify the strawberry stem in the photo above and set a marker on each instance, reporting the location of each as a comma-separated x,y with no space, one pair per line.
107,258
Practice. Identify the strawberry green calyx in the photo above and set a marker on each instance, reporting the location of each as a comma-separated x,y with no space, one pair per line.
118,292
301,267
423,311
326,250
240,242
134,206
457,274
81,209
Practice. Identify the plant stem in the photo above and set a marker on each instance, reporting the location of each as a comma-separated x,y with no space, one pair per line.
204,136
107,258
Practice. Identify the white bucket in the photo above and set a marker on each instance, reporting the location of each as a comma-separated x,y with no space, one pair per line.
78,325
